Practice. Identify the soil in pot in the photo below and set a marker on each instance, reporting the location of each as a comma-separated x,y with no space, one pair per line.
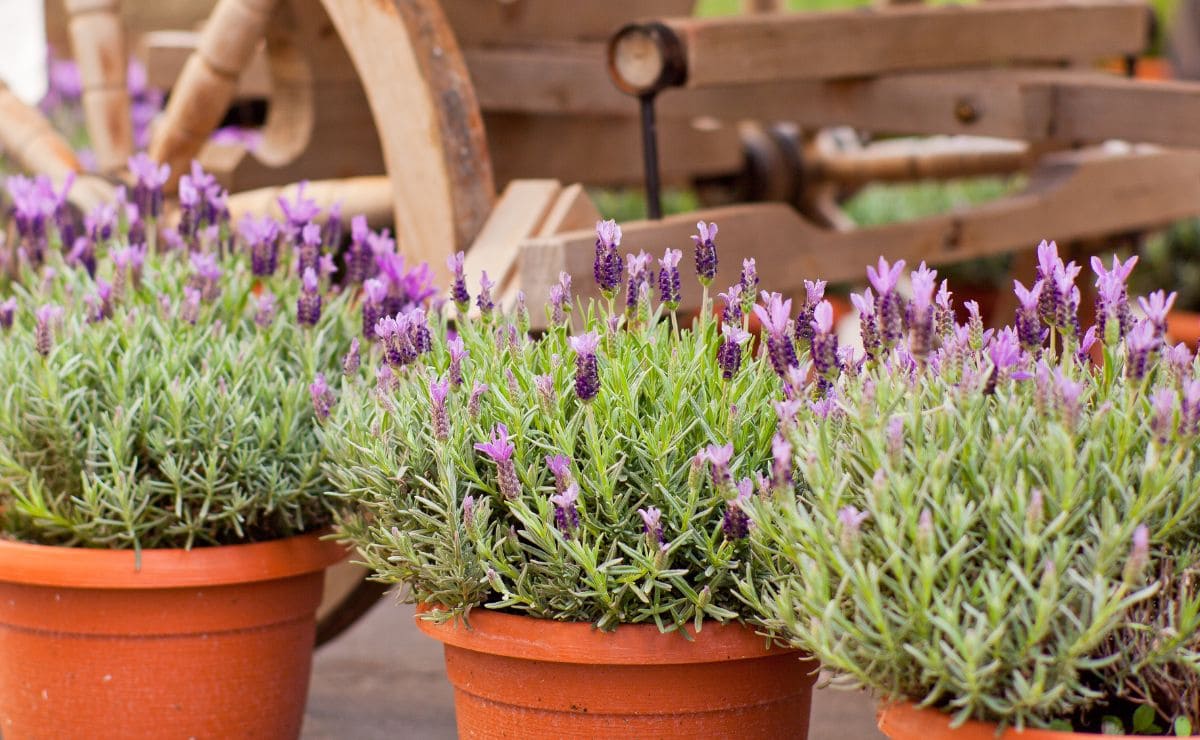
520,677
214,642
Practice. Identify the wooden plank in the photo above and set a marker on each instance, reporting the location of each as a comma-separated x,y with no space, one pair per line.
573,209
523,22
882,40
519,213
369,196
1073,195
1102,108
165,53
605,150
137,16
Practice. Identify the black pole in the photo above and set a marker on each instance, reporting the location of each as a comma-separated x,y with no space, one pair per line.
650,156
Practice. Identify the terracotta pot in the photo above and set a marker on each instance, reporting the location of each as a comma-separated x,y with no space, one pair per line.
1184,326
904,721
213,642
520,677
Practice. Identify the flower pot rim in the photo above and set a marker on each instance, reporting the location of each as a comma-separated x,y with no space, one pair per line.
221,565
533,638
906,716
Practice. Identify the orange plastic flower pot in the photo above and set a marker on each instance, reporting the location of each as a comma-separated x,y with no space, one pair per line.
210,643
905,721
1184,326
520,677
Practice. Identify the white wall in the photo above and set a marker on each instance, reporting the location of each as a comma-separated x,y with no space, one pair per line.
23,48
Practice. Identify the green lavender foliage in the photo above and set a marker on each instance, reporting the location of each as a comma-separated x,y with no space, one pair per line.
996,607
662,400
144,431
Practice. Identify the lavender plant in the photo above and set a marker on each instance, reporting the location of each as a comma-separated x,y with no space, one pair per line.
981,513
594,474
166,397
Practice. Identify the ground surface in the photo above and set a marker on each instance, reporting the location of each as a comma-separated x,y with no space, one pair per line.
384,680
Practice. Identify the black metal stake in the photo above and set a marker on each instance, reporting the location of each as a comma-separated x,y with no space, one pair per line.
650,156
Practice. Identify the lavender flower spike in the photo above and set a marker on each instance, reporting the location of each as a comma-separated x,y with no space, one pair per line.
438,390
652,524
47,317
920,313
1029,327
824,343
484,300
774,317
868,326
851,520
458,290
308,305
322,397
560,466
264,309
668,279
352,359
150,178
458,352
736,523
1113,317
566,511
608,265
749,284
888,304
1139,553
706,252
8,310
501,451
1156,306
587,369
729,354
1189,409
1140,342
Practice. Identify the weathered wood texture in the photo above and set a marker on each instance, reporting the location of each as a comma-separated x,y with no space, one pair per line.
431,131
1075,195
98,44
868,42
523,22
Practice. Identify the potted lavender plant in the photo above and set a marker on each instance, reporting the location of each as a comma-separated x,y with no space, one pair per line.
992,532
557,507
161,489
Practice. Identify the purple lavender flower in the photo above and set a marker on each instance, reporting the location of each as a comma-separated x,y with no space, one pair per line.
888,304
468,509
8,310
719,456
609,265
1059,301
587,368
206,275
1068,393
732,312
264,313
1156,306
352,359
458,289
385,380
99,304
322,396
33,203
824,344
1162,419
560,467
735,524
1085,346
477,391
781,461
652,524
868,327
331,235
501,451
262,239
374,295
560,299
566,511
148,189
814,294
706,252
1005,353
484,300
943,312
640,274
1140,343
729,354
668,279
308,248
1029,327
851,520
308,305
48,317
749,284
299,212
1189,408
545,389
438,390
360,260
920,314
457,352
895,436
100,222
1112,299
774,317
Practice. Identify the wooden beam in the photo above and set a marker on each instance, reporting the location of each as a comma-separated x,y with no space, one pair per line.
525,22
369,196
1099,108
165,53
519,213
1072,195
98,45
857,43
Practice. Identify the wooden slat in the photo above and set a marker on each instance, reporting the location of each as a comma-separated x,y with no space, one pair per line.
572,210
521,22
868,42
1117,108
519,213
1074,195
369,196
165,53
